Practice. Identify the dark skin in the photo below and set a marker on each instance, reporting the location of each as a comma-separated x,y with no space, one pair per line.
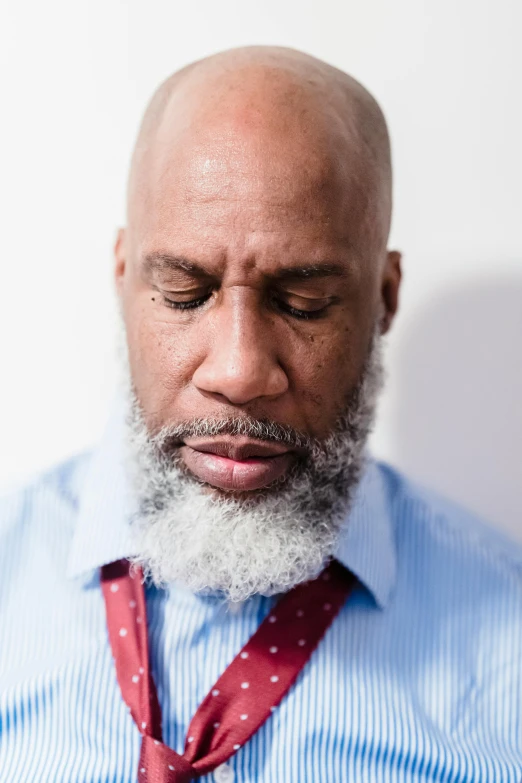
254,268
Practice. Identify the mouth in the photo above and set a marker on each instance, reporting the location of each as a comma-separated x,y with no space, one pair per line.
237,464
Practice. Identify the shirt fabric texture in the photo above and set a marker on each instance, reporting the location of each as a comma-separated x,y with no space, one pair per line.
418,679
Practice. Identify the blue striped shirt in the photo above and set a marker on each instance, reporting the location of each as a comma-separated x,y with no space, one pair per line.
418,679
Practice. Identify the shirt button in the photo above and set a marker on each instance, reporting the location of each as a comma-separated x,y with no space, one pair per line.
224,774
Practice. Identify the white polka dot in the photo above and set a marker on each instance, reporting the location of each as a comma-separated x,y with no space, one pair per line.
236,747
274,678
215,692
301,642
273,649
135,678
216,725
190,739
272,618
245,684
138,619
157,742
114,587
123,632
132,604
173,769
144,725
300,613
141,670
243,717
327,607
243,655
142,770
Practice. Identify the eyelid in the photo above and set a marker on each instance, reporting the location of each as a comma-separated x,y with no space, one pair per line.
297,312
187,304
189,293
320,302
196,298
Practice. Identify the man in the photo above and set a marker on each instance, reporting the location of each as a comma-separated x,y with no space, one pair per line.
311,615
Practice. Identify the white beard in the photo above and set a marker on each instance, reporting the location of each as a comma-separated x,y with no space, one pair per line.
263,542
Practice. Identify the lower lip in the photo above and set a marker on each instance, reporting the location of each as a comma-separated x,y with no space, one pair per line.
231,474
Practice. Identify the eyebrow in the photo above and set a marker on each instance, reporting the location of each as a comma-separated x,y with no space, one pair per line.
166,262
311,272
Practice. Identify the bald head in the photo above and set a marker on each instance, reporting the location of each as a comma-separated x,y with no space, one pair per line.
281,105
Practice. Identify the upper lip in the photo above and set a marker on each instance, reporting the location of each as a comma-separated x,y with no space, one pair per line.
237,447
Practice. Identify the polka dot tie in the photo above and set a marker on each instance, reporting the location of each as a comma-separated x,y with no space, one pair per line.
247,692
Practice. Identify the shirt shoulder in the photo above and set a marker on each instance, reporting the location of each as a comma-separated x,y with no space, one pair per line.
443,527
458,575
44,507
458,597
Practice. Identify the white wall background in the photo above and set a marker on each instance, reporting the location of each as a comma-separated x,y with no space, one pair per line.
74,79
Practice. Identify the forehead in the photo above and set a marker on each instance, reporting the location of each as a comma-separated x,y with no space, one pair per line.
234,187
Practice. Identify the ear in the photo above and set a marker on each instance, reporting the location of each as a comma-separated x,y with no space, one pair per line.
391,281
120,261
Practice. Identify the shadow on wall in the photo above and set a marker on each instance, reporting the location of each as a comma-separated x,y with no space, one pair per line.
458,419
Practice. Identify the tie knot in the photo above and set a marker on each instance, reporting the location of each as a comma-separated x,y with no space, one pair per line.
161,764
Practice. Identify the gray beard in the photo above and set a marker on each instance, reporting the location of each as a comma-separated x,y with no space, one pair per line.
262,542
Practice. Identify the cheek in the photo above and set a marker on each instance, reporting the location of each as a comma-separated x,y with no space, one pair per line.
325,371
161,359
330,365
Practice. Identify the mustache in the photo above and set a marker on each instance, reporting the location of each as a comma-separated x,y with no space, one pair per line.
171,436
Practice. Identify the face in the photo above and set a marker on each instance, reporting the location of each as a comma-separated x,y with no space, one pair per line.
251,282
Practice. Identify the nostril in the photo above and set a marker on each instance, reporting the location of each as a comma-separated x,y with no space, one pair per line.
240,385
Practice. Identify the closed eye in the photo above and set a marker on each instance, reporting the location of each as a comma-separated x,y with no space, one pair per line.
280,304
298,313
191,304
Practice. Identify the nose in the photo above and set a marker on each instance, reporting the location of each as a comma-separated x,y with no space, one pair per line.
242,362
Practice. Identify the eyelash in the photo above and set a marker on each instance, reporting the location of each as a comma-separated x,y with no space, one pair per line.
303,315
186,305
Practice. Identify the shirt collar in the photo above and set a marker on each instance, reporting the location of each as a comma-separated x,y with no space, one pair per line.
367,543
102,533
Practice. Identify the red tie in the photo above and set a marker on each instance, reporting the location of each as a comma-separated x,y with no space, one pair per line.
247,691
